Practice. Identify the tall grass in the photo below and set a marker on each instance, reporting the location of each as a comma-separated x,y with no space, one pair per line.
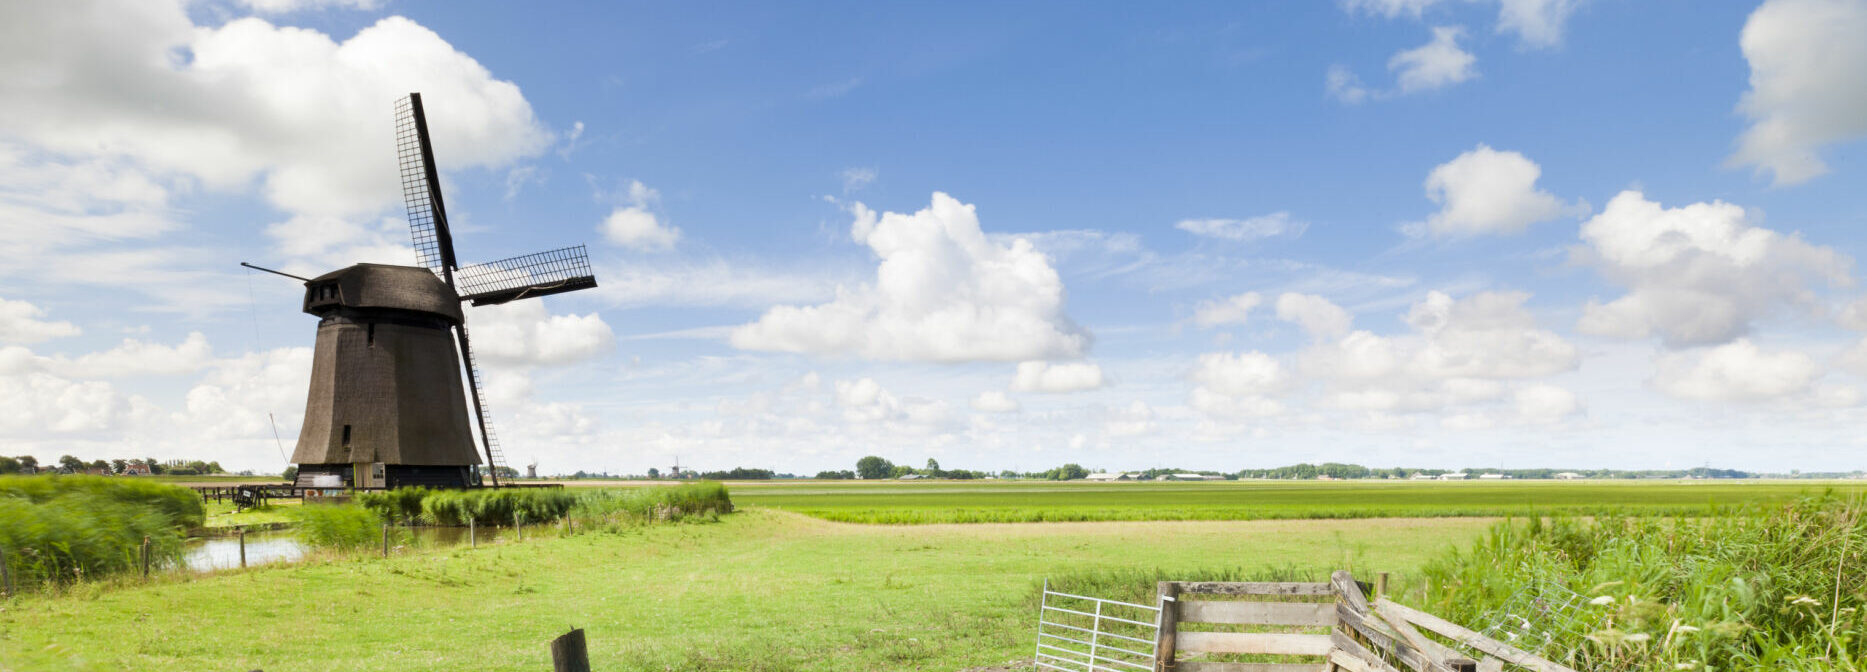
1783,587
496,506
401,505
339,526
614,509
60,529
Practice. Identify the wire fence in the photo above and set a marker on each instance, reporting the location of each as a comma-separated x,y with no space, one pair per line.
1076,633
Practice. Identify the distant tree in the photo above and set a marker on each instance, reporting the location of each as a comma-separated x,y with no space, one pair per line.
843,475
654,473
933,469
155,467
900,470
70,463
874,468
291,473
214,468
1068,472
118,465
28,463
8,465
739,474
99,465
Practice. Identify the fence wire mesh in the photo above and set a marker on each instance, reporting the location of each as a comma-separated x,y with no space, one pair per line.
1541,618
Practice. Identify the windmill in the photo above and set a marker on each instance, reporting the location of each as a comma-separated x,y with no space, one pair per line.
386,408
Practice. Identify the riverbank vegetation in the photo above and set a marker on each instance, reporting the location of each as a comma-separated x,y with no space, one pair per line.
1778,587
63,529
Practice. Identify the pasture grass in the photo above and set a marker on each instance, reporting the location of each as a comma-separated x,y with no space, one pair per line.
921,503
759,590
56,530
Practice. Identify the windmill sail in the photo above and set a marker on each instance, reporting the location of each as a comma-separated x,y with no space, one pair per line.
540,274
421,189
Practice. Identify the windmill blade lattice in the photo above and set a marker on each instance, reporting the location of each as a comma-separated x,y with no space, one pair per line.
421,189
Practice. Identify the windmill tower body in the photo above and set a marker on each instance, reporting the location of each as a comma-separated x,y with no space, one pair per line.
386,406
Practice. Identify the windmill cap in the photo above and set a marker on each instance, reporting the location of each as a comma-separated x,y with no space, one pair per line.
381,286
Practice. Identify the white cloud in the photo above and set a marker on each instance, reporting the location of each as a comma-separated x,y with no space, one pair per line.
1488,191
1231,310
1390,8
523,333
636,227
994,401
20,323
1807,60
1486,335
1542,403
1274,225
1435,65
855,179
1344,85
1135,420
243,397
1239,385
943,292
1319,317
1698,274
1736,371
1537,23
39,403
865,401
1037,376
137,358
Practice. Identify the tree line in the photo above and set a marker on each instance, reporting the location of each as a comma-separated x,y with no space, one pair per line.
68,464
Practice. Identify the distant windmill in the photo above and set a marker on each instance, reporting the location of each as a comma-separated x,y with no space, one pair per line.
386,408
675,471
531,470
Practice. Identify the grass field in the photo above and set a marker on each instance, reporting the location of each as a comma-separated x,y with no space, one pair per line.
759,590
1042,501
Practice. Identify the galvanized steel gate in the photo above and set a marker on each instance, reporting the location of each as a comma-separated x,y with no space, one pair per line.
1076,633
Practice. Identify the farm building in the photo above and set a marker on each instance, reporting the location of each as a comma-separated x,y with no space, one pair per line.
1106,476
1454,476
1492,477
1568,476
1189,476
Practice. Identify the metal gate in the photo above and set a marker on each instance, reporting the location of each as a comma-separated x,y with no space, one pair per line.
1076,633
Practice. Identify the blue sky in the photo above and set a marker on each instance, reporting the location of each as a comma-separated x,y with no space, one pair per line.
1418,232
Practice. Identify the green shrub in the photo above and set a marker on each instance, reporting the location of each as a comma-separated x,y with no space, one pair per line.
401,505
59,529
612,509
1782,588
496,506
340,526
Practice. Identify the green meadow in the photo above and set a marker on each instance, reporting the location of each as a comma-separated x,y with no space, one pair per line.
911,502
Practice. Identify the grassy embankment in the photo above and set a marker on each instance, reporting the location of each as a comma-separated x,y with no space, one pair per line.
1040,501
65,529
760,590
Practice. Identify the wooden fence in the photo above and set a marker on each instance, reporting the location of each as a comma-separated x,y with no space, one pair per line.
1317,627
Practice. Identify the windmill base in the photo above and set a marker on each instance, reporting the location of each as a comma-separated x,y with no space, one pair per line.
386,476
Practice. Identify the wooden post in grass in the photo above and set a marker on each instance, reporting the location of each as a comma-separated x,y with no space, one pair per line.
145,558
242,548
568,653
1380,585
473,541
1164,642
6,576
385,540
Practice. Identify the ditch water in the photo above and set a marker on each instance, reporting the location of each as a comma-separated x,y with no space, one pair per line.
264,548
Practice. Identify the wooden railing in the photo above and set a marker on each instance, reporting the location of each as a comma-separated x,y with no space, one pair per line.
1319,627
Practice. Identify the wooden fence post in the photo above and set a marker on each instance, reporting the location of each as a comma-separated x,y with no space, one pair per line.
1167,639
385,540
6,576
472,540
145,558
1380,585
568,653
242,548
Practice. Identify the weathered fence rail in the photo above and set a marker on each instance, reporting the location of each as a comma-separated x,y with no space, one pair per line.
1289,627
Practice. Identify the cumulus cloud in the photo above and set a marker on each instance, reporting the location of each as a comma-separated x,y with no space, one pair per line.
20,323
1542,403
1344,85
44,403
1736,371
994,401
243,397
865,401
1236,385
1697,274
943,292
523,333
1037,376
1319,317
1488,191
1135,420
1230,310
856,179
306,114
636,226
1274,225
1807,60
1486,335
137,358
1537,23
1435,65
